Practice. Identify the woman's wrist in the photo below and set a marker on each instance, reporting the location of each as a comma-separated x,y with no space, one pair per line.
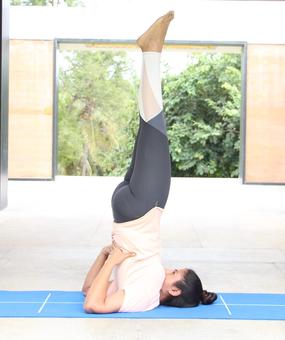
102,253
111,261
106,250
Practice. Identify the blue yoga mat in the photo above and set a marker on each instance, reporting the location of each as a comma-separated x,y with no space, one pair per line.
69,304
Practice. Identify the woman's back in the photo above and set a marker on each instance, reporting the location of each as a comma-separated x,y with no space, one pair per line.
140,276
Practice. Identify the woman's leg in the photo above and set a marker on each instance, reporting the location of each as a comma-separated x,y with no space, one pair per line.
129,172
149,175
147,103
150,180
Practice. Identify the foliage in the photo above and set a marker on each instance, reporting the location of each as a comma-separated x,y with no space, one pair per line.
202,107
98,115
70,3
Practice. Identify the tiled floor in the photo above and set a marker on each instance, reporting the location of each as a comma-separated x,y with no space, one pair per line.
232,235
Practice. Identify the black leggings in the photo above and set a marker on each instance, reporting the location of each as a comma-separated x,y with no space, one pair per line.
147,181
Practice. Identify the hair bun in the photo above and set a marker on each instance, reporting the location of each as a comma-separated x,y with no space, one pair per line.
208,297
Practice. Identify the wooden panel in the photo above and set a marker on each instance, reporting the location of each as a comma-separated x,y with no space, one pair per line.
30,112
265,122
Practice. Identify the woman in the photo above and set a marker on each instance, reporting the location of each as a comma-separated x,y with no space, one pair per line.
140,282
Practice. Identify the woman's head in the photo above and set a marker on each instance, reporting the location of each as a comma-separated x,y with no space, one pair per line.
183,288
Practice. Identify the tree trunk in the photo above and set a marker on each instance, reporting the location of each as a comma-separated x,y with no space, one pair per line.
84,159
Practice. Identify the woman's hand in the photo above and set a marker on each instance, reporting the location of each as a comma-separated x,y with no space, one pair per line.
118,255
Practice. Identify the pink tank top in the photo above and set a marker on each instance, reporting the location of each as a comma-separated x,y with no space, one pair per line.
140,276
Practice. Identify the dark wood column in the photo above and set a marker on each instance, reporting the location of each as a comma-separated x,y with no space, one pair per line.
4,85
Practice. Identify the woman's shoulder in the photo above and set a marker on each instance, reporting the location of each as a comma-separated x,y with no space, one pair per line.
140,296
152,277
144,293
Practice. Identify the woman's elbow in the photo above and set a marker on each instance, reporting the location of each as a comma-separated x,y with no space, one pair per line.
84,292
88,310
93,309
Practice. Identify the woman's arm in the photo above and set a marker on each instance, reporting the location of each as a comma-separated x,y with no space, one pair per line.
96,300
95,268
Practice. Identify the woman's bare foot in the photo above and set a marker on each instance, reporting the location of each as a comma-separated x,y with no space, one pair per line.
153,38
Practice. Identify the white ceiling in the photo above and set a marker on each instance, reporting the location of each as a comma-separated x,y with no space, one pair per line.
250,21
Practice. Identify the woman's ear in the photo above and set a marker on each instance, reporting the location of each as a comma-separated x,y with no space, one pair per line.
174,291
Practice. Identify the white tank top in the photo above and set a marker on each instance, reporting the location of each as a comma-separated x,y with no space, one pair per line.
140,276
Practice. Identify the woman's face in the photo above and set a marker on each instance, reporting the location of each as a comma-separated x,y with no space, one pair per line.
171,277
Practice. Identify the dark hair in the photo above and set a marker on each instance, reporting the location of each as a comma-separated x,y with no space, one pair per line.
192,292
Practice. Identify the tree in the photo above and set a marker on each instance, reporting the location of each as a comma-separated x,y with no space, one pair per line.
202,107
55,3
98,115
